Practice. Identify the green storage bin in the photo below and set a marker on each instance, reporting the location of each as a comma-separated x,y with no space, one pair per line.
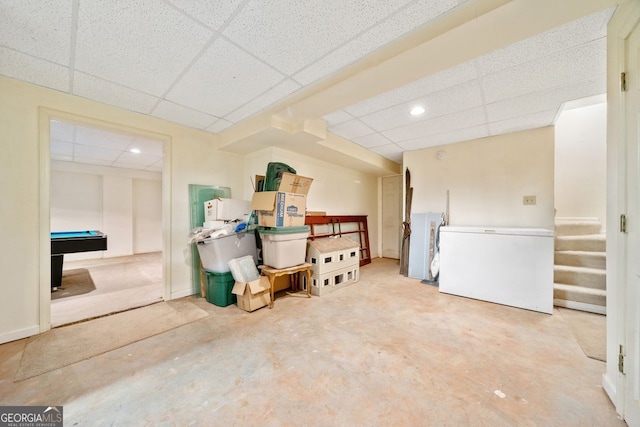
219,286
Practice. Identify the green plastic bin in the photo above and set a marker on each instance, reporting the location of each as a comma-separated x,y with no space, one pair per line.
219,286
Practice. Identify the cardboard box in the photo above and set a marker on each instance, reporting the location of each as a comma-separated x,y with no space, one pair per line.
290,183
279,209
285,207
252,295
226,209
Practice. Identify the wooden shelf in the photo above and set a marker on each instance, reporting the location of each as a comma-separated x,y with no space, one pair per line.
353,226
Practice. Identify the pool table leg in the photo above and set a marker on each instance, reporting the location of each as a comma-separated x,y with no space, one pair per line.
56,271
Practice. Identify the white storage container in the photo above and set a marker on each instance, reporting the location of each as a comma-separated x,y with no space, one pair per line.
226,209
284,247
216,252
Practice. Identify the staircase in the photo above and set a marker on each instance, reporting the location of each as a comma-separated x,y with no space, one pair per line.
580,280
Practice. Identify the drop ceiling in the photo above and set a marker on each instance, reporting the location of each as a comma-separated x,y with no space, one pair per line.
220,66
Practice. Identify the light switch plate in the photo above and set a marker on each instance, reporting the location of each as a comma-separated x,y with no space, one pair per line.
529,200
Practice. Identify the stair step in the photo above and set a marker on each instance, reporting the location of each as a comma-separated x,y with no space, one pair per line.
588,242
594,278
581,259
580,294
574,228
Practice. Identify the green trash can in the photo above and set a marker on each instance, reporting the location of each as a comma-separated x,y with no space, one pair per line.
219,286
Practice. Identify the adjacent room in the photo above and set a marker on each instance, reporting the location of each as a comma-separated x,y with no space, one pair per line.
354,213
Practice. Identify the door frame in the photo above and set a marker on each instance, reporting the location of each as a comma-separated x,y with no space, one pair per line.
620,27
45,115
381,213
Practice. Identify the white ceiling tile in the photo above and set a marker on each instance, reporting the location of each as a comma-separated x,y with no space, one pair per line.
186,116
61,131
219,126
91,136
395,157
548,99
41,28
144,44
127,159
390,151
23,67
435,83
337,117
438,125
92,161
446,138
154,167
222,80
458,98
556,40
112,94
373,140
406,20
147,147
213,13
95,153
304,31
61,150
351,129
282,90
531,121
580,63
65,158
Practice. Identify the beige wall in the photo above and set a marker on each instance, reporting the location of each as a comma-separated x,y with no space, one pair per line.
191,157
581,163
335,189
126,204
487,179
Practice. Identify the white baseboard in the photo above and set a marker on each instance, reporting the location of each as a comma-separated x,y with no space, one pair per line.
575,219
582,306
182,294
610,387
19,334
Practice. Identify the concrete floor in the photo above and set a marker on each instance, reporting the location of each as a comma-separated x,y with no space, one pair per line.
387,350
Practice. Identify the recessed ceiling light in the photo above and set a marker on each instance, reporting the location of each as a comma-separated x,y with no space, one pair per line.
417,110
135,150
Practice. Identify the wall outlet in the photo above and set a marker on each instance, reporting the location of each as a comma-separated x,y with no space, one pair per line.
529,200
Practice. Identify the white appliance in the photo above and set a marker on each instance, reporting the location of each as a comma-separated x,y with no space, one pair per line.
510,266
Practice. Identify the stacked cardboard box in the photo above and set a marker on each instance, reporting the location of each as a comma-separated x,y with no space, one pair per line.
285,207
281,217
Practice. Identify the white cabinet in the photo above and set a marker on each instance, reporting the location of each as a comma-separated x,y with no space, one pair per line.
510,266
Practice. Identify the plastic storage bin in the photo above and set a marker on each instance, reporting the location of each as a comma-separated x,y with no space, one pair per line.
284,247
216,252
219,286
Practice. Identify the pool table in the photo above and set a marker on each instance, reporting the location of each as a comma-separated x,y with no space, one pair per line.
68,242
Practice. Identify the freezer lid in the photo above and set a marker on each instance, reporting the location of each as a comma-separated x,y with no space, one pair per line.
512,231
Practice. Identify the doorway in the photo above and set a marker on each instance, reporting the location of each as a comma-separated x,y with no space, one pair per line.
391,216
108,181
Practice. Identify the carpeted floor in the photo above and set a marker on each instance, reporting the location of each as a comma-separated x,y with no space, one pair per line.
97,287
74,282
67,345
589,329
